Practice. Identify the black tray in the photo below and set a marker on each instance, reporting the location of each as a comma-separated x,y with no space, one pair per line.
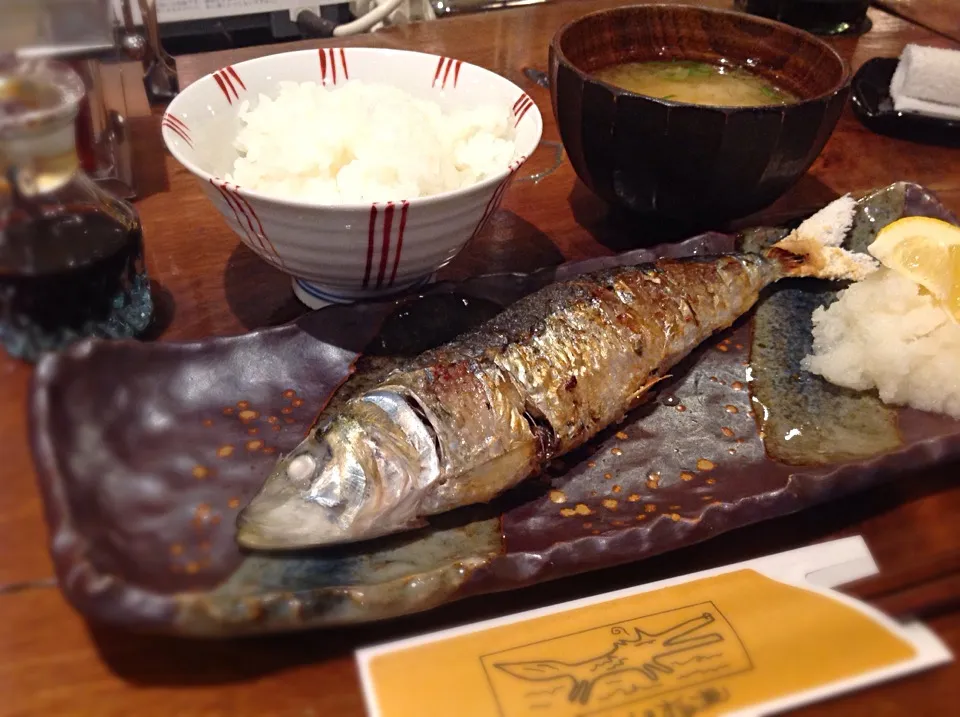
870,97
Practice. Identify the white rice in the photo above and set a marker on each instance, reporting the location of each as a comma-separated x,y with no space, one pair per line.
364,142
886,333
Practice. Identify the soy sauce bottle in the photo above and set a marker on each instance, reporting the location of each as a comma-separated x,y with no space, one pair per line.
71,255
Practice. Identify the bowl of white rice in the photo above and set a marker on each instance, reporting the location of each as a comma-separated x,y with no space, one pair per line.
357,171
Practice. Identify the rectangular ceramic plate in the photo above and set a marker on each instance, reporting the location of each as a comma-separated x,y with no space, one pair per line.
146,452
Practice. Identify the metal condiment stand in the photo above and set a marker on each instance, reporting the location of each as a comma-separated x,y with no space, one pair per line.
90,36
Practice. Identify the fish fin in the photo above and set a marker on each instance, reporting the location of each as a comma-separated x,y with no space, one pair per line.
813,249
831,224
643,394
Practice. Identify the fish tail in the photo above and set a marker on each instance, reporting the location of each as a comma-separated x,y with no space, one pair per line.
805,257
814,248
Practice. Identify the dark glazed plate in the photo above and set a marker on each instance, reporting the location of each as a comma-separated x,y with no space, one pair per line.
145,453
872,105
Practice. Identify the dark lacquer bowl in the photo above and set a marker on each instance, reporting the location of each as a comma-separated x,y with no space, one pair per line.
685,161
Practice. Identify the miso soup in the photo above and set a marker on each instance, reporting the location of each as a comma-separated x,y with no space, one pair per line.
695,82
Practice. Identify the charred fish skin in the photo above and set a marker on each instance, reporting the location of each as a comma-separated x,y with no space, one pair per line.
473,418
591,359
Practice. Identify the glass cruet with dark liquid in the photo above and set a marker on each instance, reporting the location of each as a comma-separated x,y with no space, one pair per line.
71,255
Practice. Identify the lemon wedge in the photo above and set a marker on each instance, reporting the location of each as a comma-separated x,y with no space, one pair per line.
926,251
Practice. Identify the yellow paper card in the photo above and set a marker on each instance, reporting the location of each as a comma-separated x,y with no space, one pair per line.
711,645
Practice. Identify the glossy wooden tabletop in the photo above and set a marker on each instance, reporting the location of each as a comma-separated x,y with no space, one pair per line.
53,663
941,16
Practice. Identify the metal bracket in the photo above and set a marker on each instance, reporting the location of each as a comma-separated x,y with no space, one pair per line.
160,78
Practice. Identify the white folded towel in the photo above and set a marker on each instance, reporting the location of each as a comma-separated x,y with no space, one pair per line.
927,81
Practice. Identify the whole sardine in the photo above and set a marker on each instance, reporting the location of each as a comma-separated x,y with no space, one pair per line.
464,422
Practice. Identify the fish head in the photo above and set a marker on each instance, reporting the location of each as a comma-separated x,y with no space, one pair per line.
352,479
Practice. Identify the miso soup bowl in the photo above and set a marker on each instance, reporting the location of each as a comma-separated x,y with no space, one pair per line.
345,252
686,161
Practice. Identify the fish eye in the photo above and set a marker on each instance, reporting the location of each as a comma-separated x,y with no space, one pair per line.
301,468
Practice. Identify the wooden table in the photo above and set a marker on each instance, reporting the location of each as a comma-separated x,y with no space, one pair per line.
52,663
941,16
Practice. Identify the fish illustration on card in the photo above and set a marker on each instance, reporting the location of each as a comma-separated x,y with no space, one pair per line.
606,666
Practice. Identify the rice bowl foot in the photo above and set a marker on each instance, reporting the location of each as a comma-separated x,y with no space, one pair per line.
317,296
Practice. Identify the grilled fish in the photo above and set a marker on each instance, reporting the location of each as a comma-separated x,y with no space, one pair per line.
466,421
